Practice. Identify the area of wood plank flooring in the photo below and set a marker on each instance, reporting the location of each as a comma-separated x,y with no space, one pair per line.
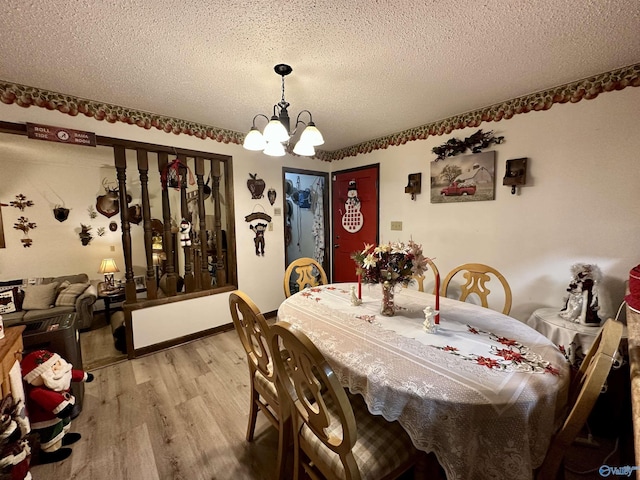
182,414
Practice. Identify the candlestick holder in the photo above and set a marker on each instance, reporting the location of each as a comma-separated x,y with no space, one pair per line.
355,301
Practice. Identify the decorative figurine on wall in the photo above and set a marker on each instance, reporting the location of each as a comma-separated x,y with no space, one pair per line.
92,212
25,225
352,220
258,229
256,186
271,195
61,213
21,202
185,233
85,236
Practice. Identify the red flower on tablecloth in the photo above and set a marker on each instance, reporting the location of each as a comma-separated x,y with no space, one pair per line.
306,294
316,289
552,370
449,348
487,362
510,355
507,341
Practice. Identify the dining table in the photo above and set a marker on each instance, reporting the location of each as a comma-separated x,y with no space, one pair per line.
484,393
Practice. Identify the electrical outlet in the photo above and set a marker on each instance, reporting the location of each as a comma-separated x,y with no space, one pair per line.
113,248
396,225
271,226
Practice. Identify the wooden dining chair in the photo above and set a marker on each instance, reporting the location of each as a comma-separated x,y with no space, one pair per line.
303,272
420,278
252,328
477,275
333,437
583,393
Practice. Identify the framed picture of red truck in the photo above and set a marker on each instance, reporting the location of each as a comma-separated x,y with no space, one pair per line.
467,178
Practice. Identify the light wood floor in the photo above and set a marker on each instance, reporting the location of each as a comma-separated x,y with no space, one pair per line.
182,414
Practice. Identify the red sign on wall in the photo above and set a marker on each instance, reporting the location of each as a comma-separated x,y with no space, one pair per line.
60,135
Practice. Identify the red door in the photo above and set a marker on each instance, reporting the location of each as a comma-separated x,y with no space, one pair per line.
355,217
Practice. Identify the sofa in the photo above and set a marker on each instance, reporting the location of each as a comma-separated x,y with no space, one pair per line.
22,302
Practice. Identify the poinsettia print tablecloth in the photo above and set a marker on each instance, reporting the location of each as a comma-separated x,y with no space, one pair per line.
484,393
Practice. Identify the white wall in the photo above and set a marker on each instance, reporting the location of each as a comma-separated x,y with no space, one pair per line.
76,175
580,203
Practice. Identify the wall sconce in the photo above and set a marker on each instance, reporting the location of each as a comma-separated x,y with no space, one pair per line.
415,185
515,173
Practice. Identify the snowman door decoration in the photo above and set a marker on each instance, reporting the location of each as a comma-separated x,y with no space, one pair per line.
352,219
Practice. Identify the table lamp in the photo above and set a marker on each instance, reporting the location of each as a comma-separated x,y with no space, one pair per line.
108,267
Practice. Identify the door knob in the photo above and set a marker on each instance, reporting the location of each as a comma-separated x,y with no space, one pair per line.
336,245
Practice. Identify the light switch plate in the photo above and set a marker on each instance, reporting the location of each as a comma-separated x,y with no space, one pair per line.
396,225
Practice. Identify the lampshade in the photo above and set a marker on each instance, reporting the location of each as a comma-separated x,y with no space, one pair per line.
304,149
274,149
254,140
275,131
311,135
108,265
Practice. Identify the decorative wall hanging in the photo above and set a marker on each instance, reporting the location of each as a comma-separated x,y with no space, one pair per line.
101,231
258,229
185,232
414,186
135,214
113,226
302,198
467,179
108,204
60,213
352,219
85,236
92,212
25,225
171,176
256,186
21,202
476,143
271,195
515,173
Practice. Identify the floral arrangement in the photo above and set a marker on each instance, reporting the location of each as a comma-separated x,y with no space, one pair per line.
393,262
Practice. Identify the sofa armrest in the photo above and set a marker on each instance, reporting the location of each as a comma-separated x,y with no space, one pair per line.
84,307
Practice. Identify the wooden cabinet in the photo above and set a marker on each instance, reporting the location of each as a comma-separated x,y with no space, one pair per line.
10,350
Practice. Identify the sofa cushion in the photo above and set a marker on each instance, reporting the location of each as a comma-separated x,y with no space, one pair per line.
39,297
9,301
68,296
78,278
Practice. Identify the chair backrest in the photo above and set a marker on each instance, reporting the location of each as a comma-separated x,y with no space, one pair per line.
253,330
477,275
420,278
308,273
583,395
319,400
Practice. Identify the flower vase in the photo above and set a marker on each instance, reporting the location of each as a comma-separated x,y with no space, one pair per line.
388,291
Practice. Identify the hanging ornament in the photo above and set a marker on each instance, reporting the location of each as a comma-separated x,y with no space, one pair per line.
60,213
171,177
352,220
271,195
258,229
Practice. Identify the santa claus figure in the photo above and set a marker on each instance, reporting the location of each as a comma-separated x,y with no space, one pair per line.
48,380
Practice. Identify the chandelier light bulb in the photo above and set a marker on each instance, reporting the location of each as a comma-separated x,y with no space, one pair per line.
275,131
311,135
254,140
304,149
274,149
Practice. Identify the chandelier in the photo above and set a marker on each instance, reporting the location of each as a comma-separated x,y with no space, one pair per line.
277,133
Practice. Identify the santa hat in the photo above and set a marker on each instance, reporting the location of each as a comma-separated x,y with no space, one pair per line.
36,363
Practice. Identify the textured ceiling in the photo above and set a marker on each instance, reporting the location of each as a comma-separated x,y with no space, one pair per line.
365,69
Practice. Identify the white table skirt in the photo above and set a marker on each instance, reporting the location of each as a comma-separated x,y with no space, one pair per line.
481,422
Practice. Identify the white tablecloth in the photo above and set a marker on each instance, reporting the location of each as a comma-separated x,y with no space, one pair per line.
485,416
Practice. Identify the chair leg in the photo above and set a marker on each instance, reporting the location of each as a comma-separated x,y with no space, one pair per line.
284,442
253,415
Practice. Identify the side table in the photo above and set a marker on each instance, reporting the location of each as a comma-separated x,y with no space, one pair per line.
574,339
109,298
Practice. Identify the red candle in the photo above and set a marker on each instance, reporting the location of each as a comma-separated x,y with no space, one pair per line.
359,287
437,319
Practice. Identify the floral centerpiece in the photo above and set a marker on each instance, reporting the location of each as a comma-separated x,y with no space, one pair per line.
390,264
